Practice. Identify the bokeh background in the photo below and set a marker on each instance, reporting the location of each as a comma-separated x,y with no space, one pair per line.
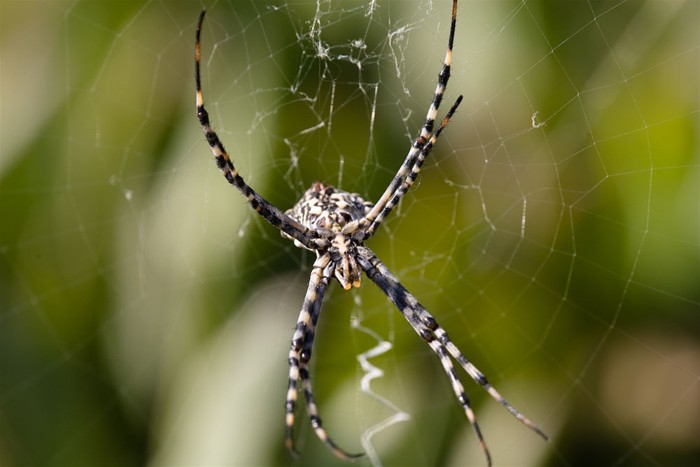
146,313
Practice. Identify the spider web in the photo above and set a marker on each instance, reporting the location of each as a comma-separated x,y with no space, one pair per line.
146,312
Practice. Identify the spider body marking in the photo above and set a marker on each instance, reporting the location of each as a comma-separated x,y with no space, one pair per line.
336,214
335,224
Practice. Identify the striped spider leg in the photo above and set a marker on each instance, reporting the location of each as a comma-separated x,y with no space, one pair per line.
267,211
420,148
334,224
300,355
427,327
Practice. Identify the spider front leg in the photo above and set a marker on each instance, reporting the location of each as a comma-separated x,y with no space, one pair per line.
300,355
408,179
430,331
421,146
267,211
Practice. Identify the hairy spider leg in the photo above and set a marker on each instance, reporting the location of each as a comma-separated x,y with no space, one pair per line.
375,216
427,327
300,355
267,211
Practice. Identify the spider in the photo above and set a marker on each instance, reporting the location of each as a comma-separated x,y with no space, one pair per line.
335,224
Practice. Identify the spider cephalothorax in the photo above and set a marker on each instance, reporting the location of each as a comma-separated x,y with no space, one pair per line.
335,224
333,214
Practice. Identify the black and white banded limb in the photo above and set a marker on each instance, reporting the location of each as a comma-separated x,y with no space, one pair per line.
335,224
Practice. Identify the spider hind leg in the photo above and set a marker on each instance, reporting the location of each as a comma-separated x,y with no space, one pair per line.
300,355
427,327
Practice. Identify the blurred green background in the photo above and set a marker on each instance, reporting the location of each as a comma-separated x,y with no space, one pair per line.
146,313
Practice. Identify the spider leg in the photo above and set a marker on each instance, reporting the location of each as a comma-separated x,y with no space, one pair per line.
391,195
263,207
413,174
429,330
315,419
300,355
477,375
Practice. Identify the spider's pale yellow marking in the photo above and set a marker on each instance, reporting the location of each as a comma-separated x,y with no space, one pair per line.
290,417
448,57
305,316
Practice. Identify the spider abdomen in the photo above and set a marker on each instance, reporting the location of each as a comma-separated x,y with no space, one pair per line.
326,207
